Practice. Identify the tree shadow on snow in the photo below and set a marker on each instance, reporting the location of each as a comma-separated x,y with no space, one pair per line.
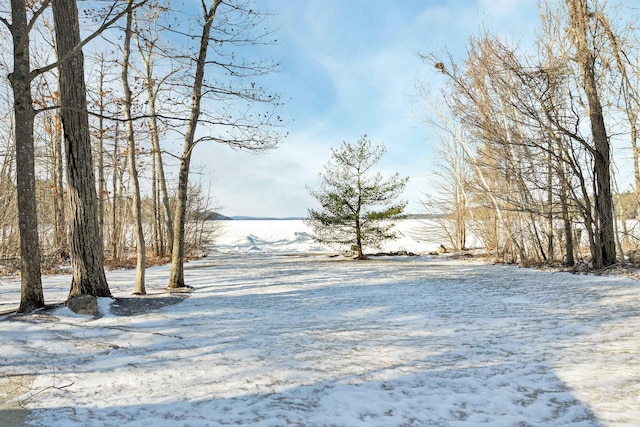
434,397
426,344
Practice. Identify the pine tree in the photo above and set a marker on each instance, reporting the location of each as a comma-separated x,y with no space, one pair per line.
357,207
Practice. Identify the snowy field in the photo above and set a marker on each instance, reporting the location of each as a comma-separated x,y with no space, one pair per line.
278,333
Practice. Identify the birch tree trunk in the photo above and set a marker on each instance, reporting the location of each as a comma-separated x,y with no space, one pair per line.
86,247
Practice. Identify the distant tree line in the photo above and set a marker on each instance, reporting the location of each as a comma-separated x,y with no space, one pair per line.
91,119
527,138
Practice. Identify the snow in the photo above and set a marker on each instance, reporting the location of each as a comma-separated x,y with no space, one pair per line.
279,333
293,236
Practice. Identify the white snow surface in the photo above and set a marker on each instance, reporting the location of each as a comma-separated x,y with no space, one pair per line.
293,236
278,333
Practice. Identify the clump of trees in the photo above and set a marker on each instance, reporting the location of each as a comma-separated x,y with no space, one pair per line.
527,137
357,205
83,165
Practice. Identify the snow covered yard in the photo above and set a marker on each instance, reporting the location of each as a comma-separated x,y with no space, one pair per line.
272,339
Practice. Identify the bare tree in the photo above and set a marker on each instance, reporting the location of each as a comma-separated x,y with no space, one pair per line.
245,128
100,143
625,56
32,296
139,287
87,256
581,35
176,279
147,40
525,116
117,209
21,80
447,204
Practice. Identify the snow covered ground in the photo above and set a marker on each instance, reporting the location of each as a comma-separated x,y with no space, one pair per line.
293,236
278,333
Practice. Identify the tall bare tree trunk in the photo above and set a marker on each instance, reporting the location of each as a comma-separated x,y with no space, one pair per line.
147,50
635,152
31,294
564,205
139,286
100,147
550,207
162,181
115,203
176,279
579,16
156,228
160,175
629,92
87,255
60,231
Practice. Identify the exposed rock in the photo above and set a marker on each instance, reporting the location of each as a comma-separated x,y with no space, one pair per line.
84,304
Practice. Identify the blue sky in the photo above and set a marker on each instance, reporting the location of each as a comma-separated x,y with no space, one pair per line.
348,68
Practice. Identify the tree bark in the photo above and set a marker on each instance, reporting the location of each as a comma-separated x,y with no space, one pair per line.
31,294
635,152
60,232
579,17
100,148
176,279
156,228
163,218
629,92
157,155
115,203
86,247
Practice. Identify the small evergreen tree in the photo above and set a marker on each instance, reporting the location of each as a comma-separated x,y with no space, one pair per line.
357,207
